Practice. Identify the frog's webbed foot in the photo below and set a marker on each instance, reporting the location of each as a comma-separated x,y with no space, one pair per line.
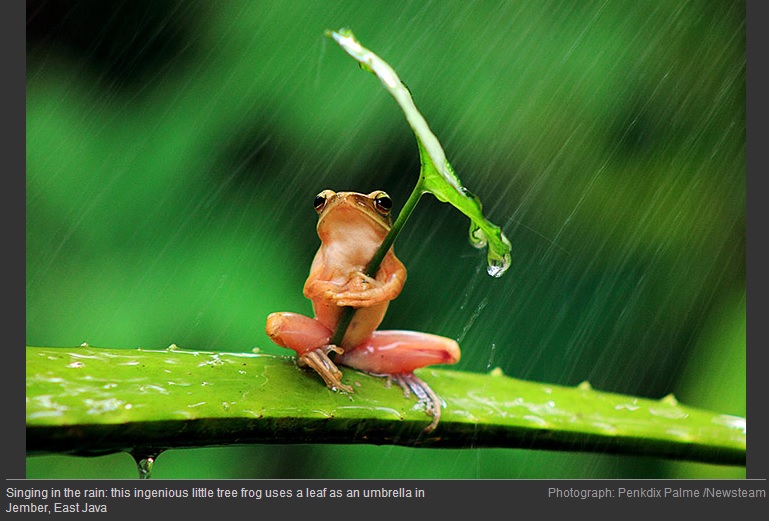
319,361
411,383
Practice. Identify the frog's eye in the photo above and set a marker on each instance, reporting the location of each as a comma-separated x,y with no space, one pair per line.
321,199
320,202
383,203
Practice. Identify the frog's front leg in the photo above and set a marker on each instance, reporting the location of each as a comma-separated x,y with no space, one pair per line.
397,354
365,291
310,339
359,290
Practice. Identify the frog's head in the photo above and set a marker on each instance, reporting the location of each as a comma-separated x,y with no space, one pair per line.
353,214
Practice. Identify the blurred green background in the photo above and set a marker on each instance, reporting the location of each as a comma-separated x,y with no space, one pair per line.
174,150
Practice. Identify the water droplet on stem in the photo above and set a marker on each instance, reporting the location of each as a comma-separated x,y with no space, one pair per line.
145,461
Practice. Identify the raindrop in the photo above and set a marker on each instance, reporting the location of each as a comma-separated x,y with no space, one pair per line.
673,414
606,427
145,467
498,266
633,406
731,421
680,434
471,321
491,356
145,460
536,421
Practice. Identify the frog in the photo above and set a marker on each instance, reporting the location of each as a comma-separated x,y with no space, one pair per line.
351,227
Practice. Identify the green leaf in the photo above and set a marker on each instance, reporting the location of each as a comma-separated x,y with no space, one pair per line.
482,231
437,176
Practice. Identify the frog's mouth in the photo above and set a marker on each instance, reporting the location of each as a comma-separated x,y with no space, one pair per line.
346,211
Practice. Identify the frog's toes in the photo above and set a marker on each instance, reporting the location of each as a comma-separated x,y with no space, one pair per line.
411,383
319,361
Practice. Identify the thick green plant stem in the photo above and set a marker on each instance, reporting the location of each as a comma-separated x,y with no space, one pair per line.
91,401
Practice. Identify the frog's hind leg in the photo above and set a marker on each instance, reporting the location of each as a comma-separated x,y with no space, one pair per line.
411,383
310,339
318,360
397,354
297,332
400,352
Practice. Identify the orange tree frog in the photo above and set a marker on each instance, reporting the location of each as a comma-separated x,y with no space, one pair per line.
351,226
